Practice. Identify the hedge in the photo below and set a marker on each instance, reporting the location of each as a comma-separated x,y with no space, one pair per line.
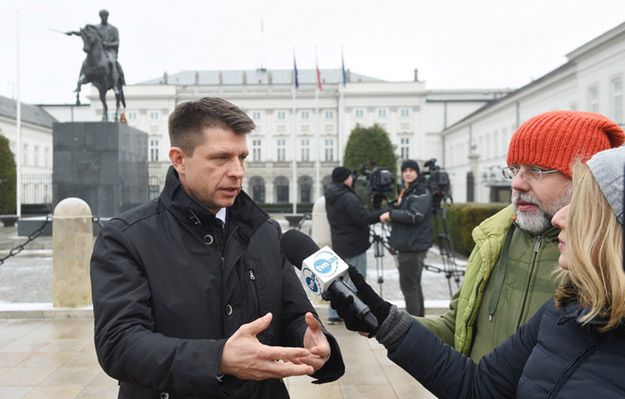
462,218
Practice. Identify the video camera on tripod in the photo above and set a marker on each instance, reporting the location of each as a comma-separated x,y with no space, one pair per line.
380,183
437,180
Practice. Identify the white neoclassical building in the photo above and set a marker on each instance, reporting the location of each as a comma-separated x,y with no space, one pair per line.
308,125
36,148
590,80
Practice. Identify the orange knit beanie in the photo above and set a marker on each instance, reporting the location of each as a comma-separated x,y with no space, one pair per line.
554,140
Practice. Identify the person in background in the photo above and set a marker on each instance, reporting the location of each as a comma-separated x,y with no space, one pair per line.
192,296
349,224
411,234
509,273
572,347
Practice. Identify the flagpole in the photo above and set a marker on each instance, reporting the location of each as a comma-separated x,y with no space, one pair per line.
317,131
18,117
341,107
293,162
294,128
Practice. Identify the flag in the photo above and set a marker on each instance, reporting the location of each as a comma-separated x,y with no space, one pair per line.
319,86
343,73
295,75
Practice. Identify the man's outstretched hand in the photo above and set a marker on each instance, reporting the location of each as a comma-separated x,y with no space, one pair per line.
379,307
316,342
246,358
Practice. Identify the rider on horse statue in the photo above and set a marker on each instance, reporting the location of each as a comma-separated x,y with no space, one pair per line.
114,75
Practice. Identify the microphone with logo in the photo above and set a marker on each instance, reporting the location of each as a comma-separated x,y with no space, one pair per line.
323,271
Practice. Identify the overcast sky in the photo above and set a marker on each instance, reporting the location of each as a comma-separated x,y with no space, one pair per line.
454,44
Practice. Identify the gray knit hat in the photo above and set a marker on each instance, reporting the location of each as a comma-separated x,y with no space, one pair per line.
607,168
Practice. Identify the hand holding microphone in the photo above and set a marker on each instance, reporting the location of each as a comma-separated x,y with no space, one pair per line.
379,307
323,273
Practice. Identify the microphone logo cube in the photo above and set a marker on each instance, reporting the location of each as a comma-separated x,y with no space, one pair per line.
321,269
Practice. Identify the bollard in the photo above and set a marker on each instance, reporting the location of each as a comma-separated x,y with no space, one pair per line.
320,226
72,244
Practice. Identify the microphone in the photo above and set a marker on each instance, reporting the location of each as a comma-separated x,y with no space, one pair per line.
323,271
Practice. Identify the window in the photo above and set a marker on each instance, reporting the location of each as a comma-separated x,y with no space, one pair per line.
616,89
328,150
131,115
281,185
359,113
329,114
382,113
25,154
404,112
153,150
256,115
155,115
304,114
256,145
281,148
281,115
404,148
46,157
305,184
305,150
593,98
257,185
36,156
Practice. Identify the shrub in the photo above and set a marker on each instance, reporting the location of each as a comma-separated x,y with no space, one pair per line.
462,218
8,179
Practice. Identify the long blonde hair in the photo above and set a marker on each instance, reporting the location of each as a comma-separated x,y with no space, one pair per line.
594,249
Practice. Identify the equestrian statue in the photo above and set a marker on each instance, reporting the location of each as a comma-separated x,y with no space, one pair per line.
101,68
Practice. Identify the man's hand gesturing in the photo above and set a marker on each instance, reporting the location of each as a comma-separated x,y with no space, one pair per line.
316,342
245,357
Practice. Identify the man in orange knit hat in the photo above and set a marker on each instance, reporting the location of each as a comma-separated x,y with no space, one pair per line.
509,272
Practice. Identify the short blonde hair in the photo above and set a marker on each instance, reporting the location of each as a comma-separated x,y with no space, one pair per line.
594,251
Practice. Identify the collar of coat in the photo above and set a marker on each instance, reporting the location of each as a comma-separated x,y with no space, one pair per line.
244,213
572,310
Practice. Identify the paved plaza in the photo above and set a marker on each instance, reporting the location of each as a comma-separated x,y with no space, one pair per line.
49,353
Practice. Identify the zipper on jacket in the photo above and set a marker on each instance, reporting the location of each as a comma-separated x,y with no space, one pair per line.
572,367
252,277
537,246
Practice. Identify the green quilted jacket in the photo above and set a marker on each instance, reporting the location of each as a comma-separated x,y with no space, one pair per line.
498,293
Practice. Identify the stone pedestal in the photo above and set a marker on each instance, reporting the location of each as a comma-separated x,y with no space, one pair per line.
103,163
72,244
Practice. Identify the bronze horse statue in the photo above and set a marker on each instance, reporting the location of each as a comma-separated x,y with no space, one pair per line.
97,70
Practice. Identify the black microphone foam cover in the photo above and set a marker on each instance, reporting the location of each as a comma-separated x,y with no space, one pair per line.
297,246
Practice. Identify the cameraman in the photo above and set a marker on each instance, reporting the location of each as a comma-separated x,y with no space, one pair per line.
411,234
349,224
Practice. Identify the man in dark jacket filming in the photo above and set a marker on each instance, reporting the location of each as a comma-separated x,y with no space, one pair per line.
192,296
349,224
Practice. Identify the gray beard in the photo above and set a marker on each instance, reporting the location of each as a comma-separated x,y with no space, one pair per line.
538,221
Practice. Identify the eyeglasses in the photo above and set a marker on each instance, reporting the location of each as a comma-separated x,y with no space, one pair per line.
534,172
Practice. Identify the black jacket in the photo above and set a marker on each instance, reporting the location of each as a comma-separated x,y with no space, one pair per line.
349,220
169,287
552,356
411,222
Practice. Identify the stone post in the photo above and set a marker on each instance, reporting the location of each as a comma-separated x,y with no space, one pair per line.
72,244
320,226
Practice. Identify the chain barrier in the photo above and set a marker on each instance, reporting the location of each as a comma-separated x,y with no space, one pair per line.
32,236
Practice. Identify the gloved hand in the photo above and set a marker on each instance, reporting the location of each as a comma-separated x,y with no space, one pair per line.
379,307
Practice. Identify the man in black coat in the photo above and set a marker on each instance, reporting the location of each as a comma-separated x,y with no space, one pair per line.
192,296
349,224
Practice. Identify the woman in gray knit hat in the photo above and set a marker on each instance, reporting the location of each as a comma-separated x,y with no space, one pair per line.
573,347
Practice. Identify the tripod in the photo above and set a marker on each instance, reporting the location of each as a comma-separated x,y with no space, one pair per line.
449,267
379,244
